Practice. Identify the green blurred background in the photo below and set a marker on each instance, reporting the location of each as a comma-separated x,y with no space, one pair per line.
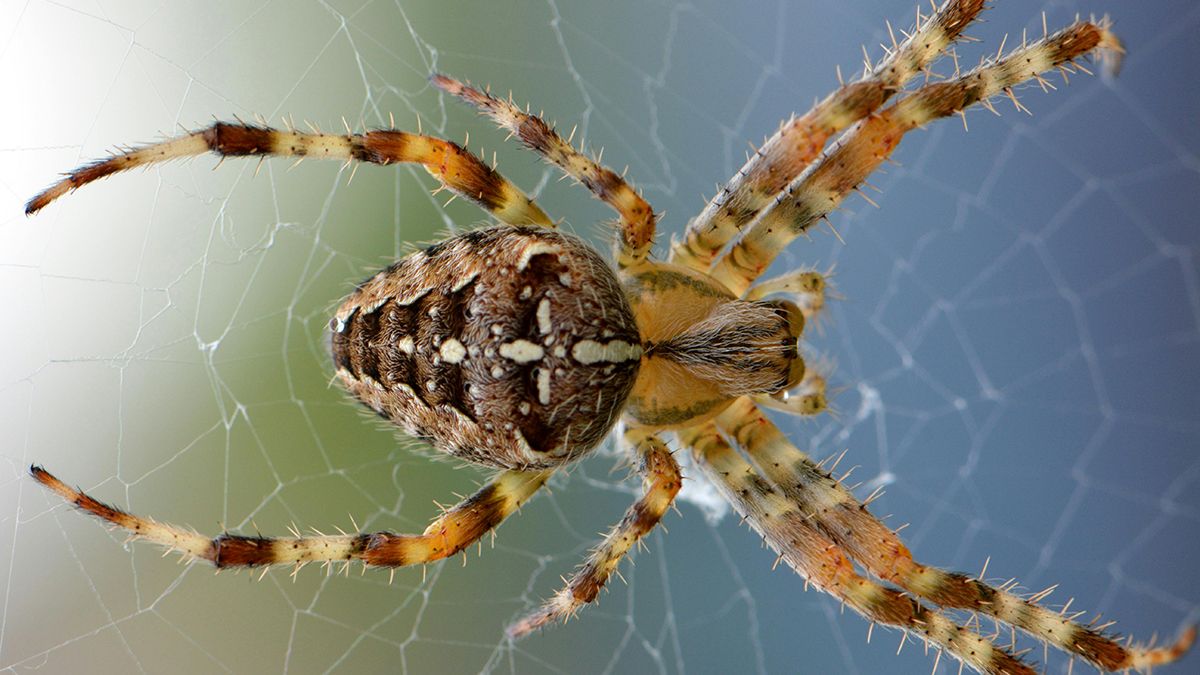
1017,353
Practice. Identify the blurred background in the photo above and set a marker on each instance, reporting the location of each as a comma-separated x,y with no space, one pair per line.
1017,351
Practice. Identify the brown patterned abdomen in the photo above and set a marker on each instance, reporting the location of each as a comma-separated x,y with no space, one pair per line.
508,346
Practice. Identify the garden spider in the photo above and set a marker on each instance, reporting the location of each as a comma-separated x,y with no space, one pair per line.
517,347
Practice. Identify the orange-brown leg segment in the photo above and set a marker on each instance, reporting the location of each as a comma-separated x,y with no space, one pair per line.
661,474
453,531
637,218
799,141
453,165
821,188
833,510
823,564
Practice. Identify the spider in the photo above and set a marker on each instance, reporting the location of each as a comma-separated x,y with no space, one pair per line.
518,347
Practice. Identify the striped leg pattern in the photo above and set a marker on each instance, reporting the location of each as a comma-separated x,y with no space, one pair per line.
453,531
456,167
834,511
662,478
820,189
637,218
823,564
800,140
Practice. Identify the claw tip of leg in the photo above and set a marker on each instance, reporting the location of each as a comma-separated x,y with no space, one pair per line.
41,475
1186,639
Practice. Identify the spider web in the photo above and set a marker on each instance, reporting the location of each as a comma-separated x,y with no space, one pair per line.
1017,352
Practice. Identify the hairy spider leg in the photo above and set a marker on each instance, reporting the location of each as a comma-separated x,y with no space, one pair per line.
637,218
456,167
822,186
662,478
453,531
800,140
822,563
833,510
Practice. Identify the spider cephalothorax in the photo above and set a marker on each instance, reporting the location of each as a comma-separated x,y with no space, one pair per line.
517,347
705,347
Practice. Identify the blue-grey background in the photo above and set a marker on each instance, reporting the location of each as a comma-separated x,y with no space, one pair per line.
1017,353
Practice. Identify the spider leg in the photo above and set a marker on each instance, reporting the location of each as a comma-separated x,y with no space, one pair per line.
834,511
663,481
456,167
453,531
823,564
637,218
806,286
823,185
806,398
799,140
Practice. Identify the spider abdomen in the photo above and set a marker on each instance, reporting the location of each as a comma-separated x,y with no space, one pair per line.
507,346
